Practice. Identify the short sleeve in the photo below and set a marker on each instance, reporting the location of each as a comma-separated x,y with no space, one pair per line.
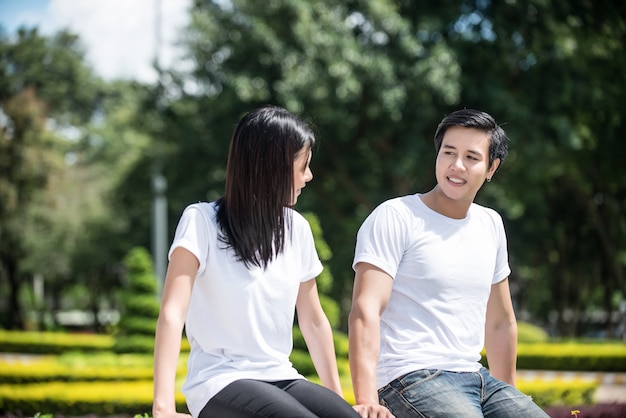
381,239
192,234
502,270
311,266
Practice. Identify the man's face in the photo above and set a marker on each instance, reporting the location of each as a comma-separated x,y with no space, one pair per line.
463,163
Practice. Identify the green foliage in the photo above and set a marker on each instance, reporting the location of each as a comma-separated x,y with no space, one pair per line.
529,333
77,399
134,344
375,78
596,357
573,356
302,362
141,307
63,342
53,371
52,342
121,384
559,392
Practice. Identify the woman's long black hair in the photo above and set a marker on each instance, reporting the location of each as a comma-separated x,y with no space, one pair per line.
259,183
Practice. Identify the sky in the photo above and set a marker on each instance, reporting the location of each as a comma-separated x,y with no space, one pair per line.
119,36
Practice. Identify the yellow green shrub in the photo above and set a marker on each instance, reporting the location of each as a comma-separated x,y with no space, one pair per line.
559,392
77,399
32,342
85,367
572,356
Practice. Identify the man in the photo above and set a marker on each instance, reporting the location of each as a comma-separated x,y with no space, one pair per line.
431,290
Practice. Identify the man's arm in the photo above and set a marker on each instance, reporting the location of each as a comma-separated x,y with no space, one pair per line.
501,333
371,293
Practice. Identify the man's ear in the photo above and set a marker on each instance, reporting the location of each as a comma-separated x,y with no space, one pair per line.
494,166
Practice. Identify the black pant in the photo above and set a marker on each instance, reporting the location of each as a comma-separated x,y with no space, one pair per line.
298,398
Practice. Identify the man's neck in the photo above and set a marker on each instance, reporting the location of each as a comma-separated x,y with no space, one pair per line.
440,203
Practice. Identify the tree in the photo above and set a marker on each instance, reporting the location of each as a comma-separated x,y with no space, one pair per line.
47,94
554,71
26,159
371,87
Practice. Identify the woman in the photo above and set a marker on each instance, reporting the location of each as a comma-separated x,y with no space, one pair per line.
238,267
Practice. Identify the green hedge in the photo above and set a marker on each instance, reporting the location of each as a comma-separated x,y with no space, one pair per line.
559,392
52,342
82,367
32,342
571,356
76,399
35,373
601,356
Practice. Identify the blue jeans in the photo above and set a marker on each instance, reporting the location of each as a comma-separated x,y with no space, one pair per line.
443,394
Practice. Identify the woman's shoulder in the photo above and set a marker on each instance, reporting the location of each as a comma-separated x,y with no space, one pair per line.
204,209
298,219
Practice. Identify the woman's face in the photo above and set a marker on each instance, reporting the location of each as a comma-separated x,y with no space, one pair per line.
301,172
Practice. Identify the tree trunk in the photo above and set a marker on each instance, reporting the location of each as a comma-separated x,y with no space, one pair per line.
14,310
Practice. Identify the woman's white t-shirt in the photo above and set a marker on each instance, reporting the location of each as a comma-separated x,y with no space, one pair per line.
239,322
443,269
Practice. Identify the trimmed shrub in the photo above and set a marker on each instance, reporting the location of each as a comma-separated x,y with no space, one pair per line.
529,333
141,308
33,342
76,399
595,357
559,392
301,360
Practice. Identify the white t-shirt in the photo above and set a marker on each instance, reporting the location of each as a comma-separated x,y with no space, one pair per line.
443,269
239,322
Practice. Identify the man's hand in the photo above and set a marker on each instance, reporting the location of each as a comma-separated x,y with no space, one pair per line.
373,411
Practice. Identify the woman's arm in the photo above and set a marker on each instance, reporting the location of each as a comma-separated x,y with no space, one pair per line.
318,335
179,279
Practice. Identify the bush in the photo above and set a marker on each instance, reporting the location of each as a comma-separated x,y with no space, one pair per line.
600,357
529,333
559,392
60,342
33,342
595,357
75,399
301,360
141,308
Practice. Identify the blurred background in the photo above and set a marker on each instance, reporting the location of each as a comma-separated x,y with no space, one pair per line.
115,115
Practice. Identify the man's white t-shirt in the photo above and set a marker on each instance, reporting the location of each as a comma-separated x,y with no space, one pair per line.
239,322
443,269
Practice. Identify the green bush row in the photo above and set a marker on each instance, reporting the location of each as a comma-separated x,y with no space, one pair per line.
593,357
136,397
559,392
86,367
76,399
604,356
31,342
